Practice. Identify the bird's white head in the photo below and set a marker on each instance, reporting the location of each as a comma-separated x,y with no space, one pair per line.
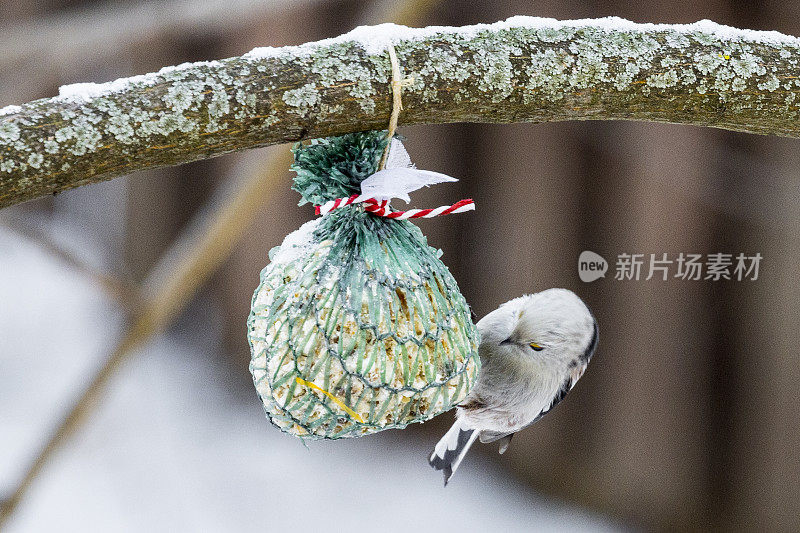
553,326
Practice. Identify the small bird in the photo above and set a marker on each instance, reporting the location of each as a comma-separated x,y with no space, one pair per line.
533,350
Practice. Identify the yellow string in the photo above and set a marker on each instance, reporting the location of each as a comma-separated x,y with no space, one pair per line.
338,402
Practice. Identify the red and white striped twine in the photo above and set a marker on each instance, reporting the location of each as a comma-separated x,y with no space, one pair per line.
382,209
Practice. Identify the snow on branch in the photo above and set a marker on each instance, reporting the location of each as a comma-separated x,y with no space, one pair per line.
522,69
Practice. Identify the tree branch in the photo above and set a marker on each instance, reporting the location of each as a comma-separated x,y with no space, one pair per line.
524,69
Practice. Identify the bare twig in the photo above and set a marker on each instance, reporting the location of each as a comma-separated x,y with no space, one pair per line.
522,70
123,293
184,268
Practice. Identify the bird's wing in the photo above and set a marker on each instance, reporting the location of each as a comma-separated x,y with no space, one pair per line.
574,375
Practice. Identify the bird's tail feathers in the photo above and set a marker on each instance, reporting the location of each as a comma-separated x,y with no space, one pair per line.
451,449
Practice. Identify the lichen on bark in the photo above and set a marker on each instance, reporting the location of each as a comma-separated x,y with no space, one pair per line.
521,70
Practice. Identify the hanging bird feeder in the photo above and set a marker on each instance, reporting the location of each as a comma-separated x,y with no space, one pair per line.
357,325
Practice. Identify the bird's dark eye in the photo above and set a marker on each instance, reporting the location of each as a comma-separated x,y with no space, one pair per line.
536,347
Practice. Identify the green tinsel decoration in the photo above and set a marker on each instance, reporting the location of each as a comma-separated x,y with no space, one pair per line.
357,325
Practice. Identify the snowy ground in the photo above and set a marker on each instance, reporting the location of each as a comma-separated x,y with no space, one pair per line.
173,449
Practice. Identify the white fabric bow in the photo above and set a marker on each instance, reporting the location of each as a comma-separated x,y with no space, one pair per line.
400,177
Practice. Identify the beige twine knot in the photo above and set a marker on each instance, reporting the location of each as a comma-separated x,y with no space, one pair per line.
397,100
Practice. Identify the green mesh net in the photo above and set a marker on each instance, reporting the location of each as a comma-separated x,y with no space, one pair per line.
357,325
